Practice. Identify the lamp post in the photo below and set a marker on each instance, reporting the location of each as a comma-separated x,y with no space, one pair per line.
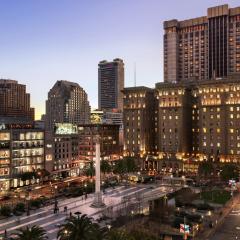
28,201
109,227
55,200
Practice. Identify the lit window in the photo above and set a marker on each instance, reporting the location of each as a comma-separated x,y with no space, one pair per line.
204,130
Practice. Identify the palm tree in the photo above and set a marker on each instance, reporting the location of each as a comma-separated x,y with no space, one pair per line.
31,233
77,228
90,169
105,167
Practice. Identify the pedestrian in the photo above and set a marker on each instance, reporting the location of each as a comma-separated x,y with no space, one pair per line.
70,214
65,209
5,233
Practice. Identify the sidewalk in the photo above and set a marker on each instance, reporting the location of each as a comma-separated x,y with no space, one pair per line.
218,220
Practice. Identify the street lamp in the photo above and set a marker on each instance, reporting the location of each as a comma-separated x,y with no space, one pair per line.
28,201
55,200
78,214
109,227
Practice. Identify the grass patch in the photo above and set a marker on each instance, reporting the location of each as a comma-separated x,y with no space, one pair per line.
216,196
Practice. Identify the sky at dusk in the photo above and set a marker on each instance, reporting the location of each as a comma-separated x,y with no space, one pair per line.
43,41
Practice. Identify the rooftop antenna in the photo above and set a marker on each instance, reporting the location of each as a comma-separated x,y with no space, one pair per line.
135,75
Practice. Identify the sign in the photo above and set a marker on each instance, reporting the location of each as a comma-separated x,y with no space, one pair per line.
2,126
65,128
232,183
184,228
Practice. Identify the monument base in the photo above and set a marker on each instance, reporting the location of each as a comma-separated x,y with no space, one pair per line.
98,203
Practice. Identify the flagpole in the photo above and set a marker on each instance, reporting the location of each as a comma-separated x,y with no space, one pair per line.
185,235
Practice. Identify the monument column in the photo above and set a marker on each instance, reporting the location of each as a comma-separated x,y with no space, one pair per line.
98,203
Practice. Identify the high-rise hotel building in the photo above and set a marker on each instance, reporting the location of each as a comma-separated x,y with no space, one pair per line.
110,84
203,48
67,103
197,108
14,103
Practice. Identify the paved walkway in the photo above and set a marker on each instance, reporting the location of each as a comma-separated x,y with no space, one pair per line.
45,217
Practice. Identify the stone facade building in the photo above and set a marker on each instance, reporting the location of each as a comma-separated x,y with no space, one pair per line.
71,147
21,151
193,121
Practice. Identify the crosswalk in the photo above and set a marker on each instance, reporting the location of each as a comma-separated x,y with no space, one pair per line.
45,217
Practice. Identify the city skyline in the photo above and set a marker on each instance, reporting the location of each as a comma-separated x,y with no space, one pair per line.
46,42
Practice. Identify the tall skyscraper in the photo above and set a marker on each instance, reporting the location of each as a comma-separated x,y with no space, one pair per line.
14,103
110,84
67,103
203,48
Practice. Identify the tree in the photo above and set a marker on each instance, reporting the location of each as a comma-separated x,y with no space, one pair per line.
105,167
141,235
27,176
31,233
118,235
90,169
120,167
99,233
5,211
77,228
125,165
229,171
205,169
130,164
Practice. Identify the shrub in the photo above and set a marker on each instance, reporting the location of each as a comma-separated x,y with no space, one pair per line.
20,207
204,206
36,203
6,211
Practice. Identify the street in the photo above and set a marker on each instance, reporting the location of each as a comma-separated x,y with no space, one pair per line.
230,229
44,217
